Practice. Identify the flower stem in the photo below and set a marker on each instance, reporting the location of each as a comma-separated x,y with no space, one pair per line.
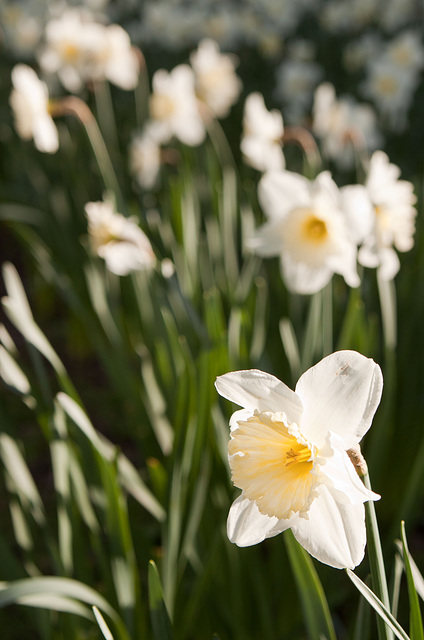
387,294
72,105
376,561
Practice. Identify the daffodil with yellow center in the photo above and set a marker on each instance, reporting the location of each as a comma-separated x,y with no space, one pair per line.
307,228
288,455
272,463
174,107
117,239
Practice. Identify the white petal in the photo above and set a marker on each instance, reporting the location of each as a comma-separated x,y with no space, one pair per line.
281,191
254,389
344,482
334,533
266,241
389,263
242,414
303,278
340,394
246,525
358,209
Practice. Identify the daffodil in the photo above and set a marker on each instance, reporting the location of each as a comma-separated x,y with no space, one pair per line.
29,100
343,125
216,82
117,239
174,107
288,455
385,209
262,135
307,228
81,49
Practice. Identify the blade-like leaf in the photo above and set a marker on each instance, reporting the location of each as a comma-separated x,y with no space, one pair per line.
415,620
378,606
161,624
314,603
102,624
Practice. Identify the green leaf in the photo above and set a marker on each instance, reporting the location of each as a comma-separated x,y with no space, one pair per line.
378,606
128,475
314,603
161,624
415,620
102,624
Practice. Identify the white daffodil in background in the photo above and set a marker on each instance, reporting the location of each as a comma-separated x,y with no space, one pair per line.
288,455
262,135
29,100
216,82
343,125
80,50
385,209
118,240
307,228
174,107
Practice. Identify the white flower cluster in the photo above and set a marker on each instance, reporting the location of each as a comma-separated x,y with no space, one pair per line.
181,104
316,228
80,49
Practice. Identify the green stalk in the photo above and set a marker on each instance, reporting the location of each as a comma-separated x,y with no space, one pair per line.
376,561
78,108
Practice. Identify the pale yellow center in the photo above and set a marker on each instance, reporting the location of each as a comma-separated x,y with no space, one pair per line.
102,235
70,52
314,229
161,106
272,463
387,85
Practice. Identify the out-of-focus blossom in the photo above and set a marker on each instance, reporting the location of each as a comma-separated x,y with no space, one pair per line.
216,82
306,227
296,81
29,101
22,26
174,107
81,50
288,455
118,240
359,51
145,158
391,88
397,13
351,16
393,76
406,51
386,211
119,62
262,135
343,125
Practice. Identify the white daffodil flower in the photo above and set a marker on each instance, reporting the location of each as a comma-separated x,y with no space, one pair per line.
307,228
343,125
385,210
288,455
262,135
118,240
174,107
217,84
80,50
29,101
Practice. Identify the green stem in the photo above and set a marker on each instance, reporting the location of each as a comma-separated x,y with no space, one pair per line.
76,107
387,294
376,561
